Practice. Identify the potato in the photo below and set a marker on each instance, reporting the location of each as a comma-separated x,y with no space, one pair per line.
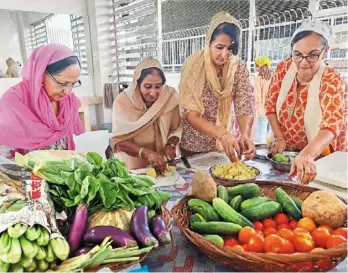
325,208
203,186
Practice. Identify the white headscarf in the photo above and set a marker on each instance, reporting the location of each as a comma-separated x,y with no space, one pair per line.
313,115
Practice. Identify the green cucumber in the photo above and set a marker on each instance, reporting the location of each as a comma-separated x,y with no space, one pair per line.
221,228
229,214
215,239
204,209
222,193
288,205
247,190
194,219
298,202
236,202
262,211
252,202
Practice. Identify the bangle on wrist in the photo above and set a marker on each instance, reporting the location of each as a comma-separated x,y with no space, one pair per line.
171,145
141,150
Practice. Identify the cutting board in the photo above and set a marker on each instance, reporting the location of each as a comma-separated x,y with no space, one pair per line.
332,170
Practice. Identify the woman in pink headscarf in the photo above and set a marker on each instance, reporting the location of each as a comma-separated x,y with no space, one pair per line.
41,112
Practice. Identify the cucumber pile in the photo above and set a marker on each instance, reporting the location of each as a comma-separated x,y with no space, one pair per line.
237,207
30,249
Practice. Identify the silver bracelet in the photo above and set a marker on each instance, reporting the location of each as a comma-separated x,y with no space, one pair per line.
141,152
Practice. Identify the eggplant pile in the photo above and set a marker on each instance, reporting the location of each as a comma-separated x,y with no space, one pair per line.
144,231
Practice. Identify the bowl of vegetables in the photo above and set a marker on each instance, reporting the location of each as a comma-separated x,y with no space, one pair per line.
233,172
282,162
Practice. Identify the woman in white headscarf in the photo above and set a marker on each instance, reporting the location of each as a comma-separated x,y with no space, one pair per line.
305,103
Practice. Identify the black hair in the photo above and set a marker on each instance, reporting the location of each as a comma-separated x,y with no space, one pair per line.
59,66
149,71
232,31
301,35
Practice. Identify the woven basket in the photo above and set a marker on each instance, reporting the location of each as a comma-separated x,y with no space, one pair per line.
244,261
121,266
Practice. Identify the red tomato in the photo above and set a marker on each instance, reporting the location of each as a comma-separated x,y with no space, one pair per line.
303,242
330,229
288,247
320,237
335,240
293,224
307,223
274,243
269,231
258,225
255,244
259,232
285,233
237,247
269,223
283,226
230,242
245,234
343,231
281,218
300,230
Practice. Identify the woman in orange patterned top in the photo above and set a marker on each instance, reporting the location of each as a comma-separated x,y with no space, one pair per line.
305,103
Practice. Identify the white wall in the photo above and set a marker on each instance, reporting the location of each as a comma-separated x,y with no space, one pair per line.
9,47
58,6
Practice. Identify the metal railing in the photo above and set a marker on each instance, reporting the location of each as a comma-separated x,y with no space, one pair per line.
271,37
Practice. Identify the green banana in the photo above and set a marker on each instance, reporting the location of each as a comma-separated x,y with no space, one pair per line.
41,255
4,266
60,248
46,237
16,268
32,267
50,255
40,240
15,253
17,230
35,249
53,265
33,233
27,247
26,262
5,243
42,265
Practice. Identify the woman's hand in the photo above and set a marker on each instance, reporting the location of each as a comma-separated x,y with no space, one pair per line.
156,160
231,147
303,167
169,152
247,147
278,146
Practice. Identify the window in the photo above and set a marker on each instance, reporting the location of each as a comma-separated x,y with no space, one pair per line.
338,53
341,20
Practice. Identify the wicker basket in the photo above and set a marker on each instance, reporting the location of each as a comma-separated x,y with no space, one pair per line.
121,266
244,261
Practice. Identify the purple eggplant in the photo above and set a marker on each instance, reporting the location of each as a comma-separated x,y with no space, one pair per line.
78,227
118,236
160,230
83,250
140,227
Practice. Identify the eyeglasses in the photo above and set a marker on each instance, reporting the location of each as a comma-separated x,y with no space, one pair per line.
312,58
64,85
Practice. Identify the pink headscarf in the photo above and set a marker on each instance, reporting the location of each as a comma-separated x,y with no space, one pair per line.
27,120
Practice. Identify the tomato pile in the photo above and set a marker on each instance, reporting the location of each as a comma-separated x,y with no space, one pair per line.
283,235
